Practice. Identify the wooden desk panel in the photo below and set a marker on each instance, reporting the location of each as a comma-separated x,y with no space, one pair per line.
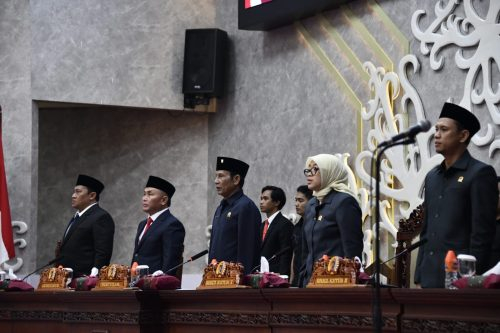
332,310
441,310
216,310
70,312
250,310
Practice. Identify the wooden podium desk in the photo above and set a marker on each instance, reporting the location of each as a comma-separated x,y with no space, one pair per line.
441,310
275,310
249,310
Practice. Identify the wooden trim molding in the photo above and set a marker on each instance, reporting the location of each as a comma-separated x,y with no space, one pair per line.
219,318
425,325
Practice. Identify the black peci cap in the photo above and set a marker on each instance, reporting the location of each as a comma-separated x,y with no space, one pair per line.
233,165
466,118
91,183
161,184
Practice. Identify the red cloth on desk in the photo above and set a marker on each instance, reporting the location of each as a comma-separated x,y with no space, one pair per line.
84,283
266,280
18,285
491,281
161,282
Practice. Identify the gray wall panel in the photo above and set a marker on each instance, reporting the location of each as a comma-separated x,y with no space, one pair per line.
282,104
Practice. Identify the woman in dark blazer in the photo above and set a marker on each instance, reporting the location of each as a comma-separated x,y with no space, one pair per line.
332,221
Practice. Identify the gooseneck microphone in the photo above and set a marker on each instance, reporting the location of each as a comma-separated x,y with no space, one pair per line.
422,126
53,261
193,258
274,256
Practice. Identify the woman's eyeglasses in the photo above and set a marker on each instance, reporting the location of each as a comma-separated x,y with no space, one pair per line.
311,172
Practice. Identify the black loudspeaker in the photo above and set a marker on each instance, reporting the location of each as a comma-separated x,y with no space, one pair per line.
205,58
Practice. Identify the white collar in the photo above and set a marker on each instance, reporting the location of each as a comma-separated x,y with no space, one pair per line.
86,209
271,218
155,215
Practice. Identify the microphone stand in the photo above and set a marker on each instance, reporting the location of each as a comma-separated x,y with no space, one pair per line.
274,256
40,268
377,311
193,258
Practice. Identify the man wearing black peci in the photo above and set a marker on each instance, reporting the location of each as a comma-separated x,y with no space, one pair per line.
276,230
159,242
87,243
236,225
302,197
461,197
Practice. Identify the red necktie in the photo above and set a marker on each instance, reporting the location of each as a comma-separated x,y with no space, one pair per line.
264,232
148,224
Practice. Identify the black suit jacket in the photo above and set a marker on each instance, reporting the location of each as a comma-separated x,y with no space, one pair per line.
460,209
332,228
278,237
235,232
89,242
162,245
298,254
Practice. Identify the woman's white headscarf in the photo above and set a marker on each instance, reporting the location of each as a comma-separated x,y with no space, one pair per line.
333,175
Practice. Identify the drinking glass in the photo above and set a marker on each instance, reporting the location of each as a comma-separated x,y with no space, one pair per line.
69,275
466,265
140,271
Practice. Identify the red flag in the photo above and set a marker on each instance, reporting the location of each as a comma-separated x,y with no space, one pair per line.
253,3
7,250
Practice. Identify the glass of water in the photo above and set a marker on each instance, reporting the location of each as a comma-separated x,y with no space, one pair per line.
466,265
140,272
69,275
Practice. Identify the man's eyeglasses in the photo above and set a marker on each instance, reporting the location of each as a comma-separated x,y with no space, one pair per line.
311,172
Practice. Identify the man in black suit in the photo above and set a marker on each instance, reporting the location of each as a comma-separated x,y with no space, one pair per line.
276,230
461,197
87,243
303,195
235,227
159,242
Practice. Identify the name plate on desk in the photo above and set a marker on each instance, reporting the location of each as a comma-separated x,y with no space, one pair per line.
331,281
219,275
54,278
113,277
334,272
112,284
220,282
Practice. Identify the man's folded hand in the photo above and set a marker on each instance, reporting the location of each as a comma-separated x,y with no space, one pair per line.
158,273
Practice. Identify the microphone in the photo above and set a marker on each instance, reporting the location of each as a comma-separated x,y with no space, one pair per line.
53,261
408,249
193,258
274,256
422,126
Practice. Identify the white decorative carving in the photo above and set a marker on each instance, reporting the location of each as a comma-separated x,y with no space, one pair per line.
403,168
469,32
208,234
20,243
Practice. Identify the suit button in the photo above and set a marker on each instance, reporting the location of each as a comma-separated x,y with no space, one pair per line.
440,197
436,216
431,253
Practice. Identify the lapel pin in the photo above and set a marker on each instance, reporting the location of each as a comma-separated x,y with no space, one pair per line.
228,215
460,179
320,218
